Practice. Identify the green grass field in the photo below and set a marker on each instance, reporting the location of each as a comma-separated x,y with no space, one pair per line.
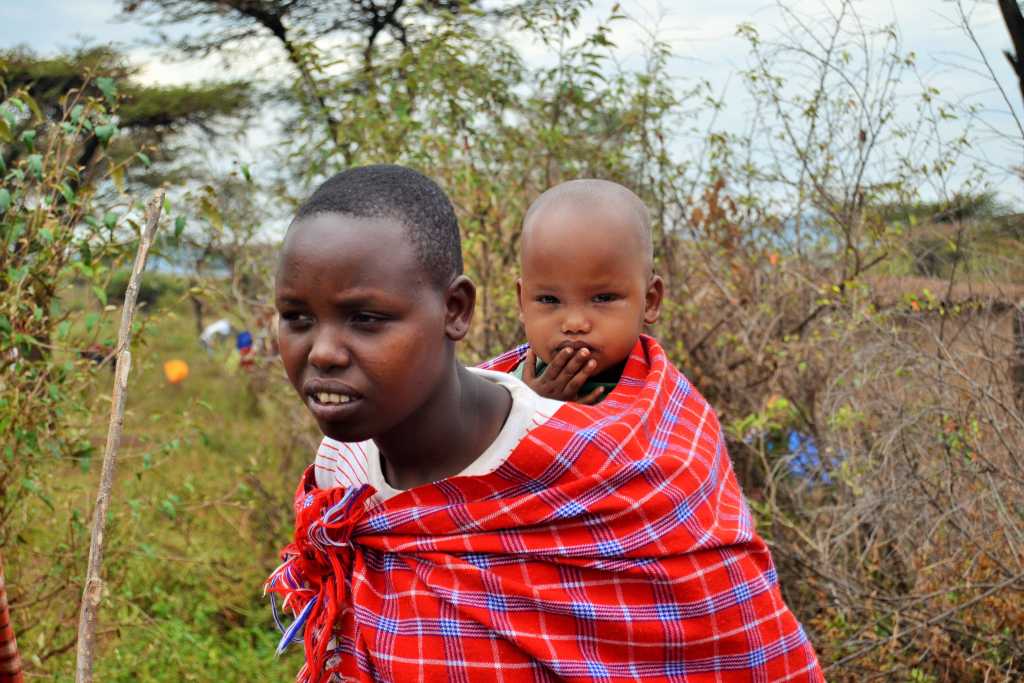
201,506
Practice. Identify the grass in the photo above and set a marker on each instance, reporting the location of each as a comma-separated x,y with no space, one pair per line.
200,508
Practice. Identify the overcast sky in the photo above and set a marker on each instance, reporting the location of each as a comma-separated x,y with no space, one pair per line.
701,32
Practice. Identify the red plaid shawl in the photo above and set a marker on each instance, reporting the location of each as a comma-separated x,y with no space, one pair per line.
614,545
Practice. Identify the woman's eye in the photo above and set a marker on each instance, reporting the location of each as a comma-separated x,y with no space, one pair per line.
546,299
605,298
297,320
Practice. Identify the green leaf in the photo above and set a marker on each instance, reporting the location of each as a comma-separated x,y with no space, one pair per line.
110,219
63,329
32,486
66,192
16,231
211,213
118,175
179,226
105,132
36,112
35,165
85,251
246,174
5,200
5,131
15,275
144,158
28,138
108,87
100,293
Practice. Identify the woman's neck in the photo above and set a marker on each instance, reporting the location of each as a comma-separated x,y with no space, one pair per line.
450,431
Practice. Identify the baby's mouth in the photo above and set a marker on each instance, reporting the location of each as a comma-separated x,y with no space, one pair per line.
575,346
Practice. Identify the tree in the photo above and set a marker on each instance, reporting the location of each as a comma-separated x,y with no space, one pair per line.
295,25
151,118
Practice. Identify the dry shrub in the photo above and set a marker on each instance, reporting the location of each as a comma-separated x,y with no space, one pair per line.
901,542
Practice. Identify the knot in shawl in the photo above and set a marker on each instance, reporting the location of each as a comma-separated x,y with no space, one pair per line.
613,544
316,564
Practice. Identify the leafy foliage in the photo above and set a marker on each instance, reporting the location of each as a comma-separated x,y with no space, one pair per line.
151,120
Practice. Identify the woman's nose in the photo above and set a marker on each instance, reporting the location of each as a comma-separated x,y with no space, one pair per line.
329,351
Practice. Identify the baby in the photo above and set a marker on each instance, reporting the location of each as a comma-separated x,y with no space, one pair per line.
587,288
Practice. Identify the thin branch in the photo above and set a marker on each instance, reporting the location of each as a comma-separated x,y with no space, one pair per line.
92,592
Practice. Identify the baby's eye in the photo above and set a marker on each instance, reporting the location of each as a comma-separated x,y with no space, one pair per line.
365,318
605,298
547,299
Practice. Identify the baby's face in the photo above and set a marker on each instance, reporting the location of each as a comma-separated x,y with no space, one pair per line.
586,283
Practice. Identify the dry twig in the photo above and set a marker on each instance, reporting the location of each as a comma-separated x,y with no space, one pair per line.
92,593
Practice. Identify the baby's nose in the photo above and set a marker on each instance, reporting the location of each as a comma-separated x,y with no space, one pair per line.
575,323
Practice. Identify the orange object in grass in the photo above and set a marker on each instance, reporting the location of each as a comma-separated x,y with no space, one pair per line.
175,371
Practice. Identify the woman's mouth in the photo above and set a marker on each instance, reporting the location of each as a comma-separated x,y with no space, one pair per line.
328,407
330,398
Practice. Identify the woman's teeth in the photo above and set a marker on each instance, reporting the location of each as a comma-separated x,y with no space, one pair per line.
324,397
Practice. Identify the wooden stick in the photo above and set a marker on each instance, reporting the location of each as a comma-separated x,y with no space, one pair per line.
92,592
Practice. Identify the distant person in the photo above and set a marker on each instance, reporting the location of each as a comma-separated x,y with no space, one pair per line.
243,343
214,333
467,528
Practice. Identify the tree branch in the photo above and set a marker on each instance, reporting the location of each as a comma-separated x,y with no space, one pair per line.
1015,25
92,592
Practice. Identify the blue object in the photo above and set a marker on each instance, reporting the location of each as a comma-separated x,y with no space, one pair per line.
243,340
806,460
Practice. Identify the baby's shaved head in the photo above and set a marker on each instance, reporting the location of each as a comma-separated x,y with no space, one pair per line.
591,195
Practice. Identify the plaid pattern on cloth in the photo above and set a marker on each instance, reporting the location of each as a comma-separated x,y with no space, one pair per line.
614,544
10,661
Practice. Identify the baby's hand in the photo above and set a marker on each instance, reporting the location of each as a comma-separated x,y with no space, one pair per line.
569,370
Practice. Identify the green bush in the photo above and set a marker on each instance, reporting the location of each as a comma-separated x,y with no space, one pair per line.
152,288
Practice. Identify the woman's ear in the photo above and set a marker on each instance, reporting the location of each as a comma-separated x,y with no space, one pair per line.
652,301
459,301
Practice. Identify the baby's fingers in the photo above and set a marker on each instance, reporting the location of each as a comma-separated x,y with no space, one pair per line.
529,367
577,373
558,363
